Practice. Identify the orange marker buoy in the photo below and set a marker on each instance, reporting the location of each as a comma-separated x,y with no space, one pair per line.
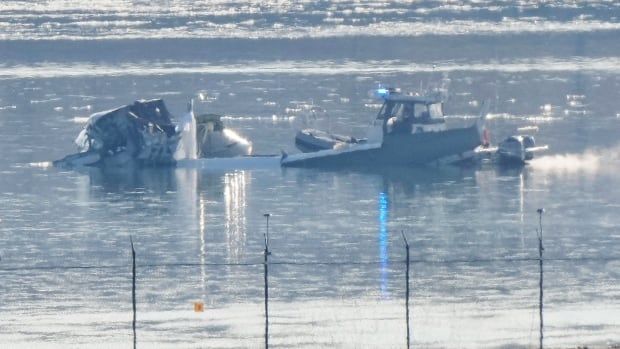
485,138
199,307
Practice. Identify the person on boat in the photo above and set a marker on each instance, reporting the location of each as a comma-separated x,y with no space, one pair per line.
402,119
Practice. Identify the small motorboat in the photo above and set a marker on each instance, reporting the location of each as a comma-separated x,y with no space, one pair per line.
311,140
409,130
518,149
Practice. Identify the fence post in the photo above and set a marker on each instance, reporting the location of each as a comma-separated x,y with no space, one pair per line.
267,215
407,288
540,283
133,289
266,273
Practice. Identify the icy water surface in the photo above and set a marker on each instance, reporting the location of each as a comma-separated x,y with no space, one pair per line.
199,233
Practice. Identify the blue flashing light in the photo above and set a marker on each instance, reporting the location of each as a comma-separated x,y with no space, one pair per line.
383,92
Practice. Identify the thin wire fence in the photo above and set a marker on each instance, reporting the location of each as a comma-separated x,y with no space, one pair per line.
310,263
143,270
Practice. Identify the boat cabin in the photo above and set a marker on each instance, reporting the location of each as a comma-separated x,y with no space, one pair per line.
411,114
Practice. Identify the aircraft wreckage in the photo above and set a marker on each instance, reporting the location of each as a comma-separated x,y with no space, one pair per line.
143,134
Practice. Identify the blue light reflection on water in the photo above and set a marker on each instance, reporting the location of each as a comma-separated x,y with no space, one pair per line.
383,240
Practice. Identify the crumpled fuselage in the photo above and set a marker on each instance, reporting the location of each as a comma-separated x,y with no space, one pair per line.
140,133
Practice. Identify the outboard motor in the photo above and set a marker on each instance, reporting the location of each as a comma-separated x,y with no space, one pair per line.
528,142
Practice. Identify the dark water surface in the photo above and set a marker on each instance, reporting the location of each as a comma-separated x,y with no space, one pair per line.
555,66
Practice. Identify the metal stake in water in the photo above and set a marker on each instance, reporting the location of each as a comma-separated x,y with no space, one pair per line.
267,215
266,275
539,231
266,289
133,290
407,288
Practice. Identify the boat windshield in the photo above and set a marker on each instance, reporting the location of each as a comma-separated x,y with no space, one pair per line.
417,113
435,111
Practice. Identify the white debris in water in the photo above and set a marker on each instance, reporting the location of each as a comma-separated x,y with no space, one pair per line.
575,112
292,110
80,119
84,107
575,97
272,118
43,164
546,108
39,101
576,104
540,119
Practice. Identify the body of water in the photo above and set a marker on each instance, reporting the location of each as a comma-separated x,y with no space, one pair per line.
199,233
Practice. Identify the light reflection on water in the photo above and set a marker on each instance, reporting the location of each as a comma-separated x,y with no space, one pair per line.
383,239
305,67
235,210
57,20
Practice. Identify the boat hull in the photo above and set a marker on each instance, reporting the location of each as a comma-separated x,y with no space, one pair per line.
416,149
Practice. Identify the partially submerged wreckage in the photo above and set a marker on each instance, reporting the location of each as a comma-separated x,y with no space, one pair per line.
140,133
216,141
143,134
